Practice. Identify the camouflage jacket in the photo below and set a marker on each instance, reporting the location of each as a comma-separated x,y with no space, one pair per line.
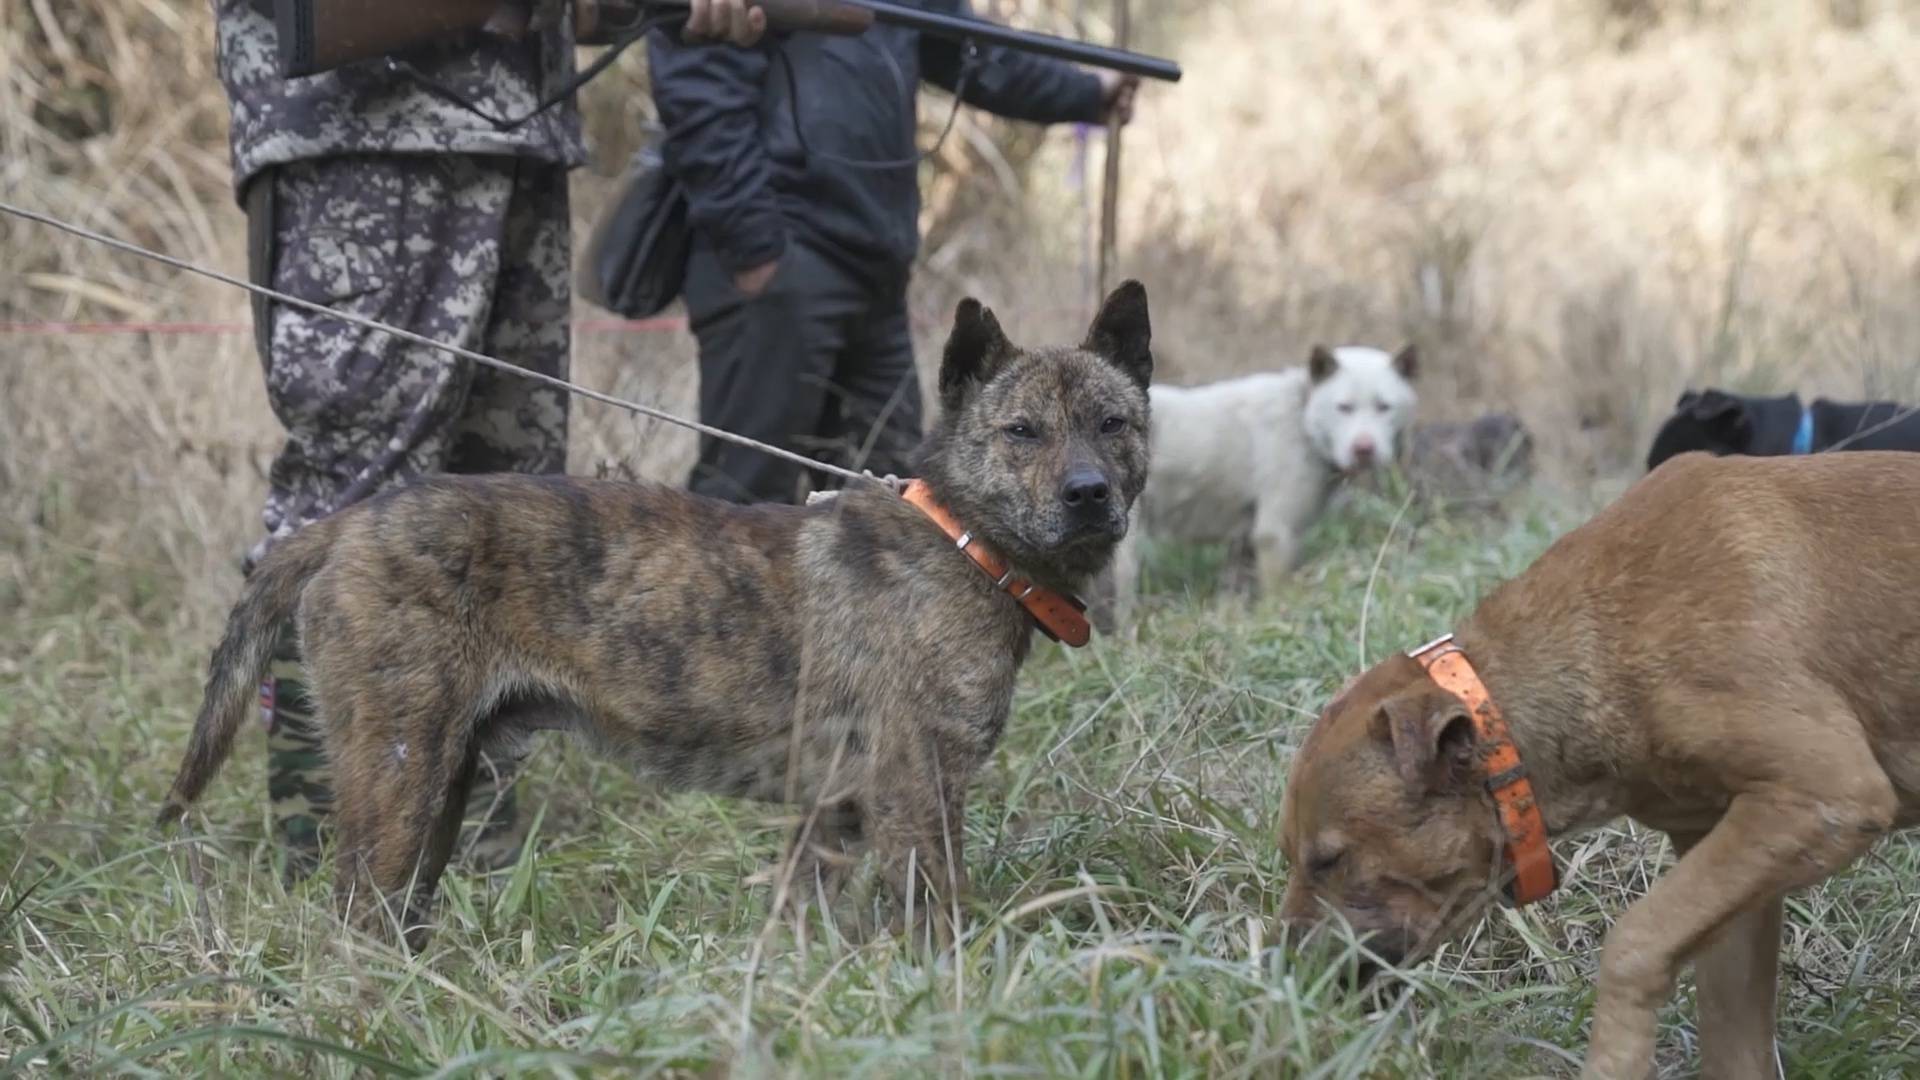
367,107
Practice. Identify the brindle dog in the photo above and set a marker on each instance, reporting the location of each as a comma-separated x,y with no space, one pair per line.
844,656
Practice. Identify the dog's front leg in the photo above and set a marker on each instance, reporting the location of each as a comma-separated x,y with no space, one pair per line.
826,845
918,825
1737,972
1275,551
1767,844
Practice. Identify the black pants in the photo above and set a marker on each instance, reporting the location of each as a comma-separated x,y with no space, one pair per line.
819,363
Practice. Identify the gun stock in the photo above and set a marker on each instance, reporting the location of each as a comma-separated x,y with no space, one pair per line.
817,16
320,35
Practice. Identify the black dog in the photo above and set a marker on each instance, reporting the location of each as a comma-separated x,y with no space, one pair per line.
1723,423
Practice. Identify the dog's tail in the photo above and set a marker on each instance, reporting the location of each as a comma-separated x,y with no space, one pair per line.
233,677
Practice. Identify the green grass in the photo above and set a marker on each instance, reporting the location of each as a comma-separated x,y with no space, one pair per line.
1122,850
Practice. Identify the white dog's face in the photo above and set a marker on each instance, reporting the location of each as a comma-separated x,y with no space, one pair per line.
1362,399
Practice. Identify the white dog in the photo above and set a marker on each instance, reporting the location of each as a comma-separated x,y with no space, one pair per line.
1250,460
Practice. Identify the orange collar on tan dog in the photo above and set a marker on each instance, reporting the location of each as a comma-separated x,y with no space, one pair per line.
1534,875
1059,617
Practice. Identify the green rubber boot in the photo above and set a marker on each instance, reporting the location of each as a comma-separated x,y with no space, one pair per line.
298,788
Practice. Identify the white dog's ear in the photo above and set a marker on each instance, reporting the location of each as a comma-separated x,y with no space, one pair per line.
1407,362
1322,364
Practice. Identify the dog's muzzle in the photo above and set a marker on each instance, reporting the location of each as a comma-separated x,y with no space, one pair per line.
1078,530
1380,949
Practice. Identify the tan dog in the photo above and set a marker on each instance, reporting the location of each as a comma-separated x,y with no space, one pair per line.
1729,653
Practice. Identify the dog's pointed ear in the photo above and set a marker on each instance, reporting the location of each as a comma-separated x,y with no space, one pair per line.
1122,334
1687,398
1407,362
976,350
1321,364
1432,738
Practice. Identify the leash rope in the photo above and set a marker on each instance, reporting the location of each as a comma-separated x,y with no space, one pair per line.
420,339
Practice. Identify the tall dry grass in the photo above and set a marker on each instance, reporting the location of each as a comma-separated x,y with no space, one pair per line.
1576,206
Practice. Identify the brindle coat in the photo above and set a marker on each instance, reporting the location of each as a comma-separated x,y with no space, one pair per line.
844,655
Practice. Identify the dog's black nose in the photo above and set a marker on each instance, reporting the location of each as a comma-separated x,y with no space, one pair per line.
1085,489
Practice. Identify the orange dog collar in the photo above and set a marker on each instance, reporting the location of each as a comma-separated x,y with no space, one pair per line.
1059,617
1534,875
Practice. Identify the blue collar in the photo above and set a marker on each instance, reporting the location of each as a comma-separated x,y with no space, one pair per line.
1803,436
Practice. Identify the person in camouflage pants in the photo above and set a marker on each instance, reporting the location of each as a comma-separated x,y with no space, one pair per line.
368,193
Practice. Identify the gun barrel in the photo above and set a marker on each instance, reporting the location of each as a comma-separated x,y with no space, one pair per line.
1080,52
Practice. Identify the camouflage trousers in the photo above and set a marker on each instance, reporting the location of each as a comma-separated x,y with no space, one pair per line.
466,249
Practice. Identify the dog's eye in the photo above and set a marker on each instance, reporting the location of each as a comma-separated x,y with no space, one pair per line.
1380,407
1113,425
1020,429
1346,406
1325,863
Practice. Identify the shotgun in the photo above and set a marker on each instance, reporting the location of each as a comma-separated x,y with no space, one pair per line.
319,35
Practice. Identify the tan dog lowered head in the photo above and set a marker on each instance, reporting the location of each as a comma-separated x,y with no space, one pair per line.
1729,653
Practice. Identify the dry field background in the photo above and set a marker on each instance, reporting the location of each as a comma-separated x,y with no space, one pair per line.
1576,207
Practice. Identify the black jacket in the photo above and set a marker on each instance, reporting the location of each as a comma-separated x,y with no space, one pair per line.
731,143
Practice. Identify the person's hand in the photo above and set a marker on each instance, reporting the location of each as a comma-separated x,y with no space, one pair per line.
1116,95
753,281
728,20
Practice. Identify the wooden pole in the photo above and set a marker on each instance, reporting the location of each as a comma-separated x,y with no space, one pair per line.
1083,137
1110,187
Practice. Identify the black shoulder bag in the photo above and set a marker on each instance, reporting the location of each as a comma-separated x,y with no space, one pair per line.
636,258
